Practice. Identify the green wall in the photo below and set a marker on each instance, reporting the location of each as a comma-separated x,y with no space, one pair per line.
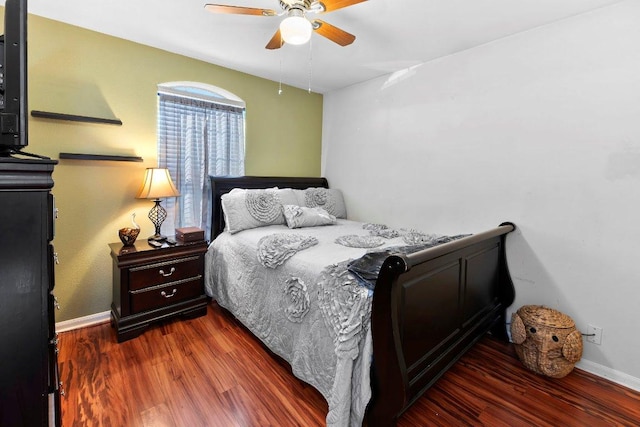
76,71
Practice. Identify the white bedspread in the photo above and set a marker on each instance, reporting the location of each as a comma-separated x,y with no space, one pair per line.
309,310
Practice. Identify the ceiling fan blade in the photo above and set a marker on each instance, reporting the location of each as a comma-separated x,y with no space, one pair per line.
333,33
331,5
276,41
239,10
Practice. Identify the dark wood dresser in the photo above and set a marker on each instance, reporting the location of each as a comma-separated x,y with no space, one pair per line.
29,384
152,284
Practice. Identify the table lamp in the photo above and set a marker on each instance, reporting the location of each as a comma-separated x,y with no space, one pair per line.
157,184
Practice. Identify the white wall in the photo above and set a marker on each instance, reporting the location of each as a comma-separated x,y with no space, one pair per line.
542,129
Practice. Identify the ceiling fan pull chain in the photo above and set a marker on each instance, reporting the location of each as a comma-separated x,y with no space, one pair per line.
310,65
280,79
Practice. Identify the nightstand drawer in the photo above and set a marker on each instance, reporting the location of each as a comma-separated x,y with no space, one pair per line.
165,272
166,294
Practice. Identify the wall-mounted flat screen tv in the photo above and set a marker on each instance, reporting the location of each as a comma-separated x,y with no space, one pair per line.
13,78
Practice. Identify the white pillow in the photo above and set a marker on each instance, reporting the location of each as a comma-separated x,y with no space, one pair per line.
300,216
244,209
329,199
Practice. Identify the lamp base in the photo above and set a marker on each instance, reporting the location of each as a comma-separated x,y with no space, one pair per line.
157,215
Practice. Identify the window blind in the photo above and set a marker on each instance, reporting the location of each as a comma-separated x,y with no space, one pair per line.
197,138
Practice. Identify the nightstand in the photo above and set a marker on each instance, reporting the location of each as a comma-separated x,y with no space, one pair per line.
152,284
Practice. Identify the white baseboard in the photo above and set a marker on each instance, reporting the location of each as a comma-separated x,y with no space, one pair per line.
83,322
609,374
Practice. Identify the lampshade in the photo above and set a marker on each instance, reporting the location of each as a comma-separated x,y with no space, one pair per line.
295,28
157,184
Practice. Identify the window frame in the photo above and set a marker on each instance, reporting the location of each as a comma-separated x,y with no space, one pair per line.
215,94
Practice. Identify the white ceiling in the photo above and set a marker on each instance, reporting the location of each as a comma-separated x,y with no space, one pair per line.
391,35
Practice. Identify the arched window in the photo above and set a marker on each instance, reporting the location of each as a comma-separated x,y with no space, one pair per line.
200,133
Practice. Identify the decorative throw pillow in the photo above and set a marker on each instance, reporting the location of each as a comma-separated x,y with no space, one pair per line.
244,209
329,199
300,216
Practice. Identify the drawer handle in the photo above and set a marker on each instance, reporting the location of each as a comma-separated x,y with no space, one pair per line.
166,295
169,273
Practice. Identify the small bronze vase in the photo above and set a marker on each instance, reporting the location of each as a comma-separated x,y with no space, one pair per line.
128,235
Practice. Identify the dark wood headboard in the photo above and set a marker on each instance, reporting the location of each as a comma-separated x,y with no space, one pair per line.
222,185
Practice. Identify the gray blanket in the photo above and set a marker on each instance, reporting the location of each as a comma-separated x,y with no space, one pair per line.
367,268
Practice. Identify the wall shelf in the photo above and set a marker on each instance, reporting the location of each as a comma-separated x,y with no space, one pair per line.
74,118
103,157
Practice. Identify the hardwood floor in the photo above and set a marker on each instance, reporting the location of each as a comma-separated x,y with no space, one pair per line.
211,372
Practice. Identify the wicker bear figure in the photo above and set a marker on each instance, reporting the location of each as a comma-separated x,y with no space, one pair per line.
546,340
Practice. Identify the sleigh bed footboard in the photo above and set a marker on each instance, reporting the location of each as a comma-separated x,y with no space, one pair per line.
429,308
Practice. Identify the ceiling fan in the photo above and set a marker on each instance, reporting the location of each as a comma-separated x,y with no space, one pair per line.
296,28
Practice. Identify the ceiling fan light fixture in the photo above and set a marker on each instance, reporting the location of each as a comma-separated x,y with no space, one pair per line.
295,28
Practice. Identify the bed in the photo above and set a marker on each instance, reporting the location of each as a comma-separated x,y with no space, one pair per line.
371,348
